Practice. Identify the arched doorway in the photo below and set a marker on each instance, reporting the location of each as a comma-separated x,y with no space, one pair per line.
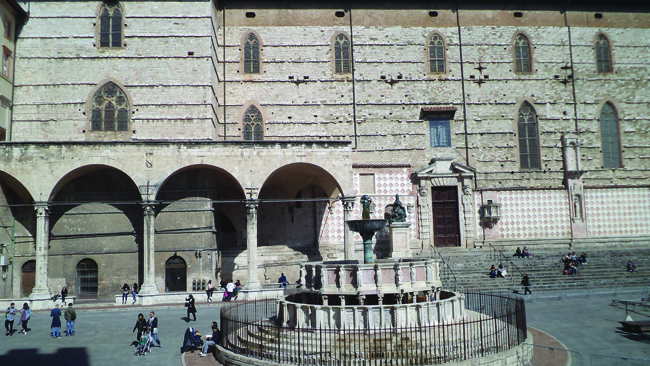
87,279
175,274
28,278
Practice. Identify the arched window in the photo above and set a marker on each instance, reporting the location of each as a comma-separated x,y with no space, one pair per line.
87,278
436,55
175,274
251,54
610,137
342,54
603,54
110,24
109,109
28,279
522,54
528,144
253,124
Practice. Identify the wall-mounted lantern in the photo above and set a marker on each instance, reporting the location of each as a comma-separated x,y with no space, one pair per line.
4,261
491,213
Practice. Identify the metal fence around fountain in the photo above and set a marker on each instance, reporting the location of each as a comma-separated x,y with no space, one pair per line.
498,324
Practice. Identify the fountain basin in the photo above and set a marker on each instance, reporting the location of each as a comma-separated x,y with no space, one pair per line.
366,226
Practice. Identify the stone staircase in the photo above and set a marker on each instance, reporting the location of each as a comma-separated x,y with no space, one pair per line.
606,270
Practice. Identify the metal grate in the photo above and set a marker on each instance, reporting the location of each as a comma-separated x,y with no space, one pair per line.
87,278
175,274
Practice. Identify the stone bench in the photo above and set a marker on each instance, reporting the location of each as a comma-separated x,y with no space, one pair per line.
636,326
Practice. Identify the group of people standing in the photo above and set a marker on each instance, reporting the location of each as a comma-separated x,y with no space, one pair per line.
70,316
126,290
150,325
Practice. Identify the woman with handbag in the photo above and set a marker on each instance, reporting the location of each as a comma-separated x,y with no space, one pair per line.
191,308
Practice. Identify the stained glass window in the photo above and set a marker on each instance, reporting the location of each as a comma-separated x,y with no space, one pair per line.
251,54
253,124
436,55
603,55
342,54
109,109
522,54
610,137
528,143
110,25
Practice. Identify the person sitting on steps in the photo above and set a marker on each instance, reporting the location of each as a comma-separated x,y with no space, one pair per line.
632,266
493,271
517,253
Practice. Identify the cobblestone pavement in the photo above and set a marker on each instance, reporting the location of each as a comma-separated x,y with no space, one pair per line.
103,337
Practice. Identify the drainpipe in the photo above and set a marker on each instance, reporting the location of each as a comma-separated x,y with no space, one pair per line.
223,47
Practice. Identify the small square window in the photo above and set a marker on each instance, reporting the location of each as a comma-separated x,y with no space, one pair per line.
440,132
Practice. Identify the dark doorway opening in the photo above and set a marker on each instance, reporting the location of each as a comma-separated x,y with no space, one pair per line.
175,274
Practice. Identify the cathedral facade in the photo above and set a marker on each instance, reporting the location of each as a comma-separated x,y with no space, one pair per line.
171,142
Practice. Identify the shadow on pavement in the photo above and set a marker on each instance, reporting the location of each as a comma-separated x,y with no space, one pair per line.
63,357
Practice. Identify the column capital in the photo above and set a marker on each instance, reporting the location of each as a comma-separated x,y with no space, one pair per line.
148,207
42,208
348,202
252,205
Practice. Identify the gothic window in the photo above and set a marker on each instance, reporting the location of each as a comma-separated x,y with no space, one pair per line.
110,25
440,132
610,137
341,54
252,124
109,109
251,54
436,55
603,55
528,144
522,54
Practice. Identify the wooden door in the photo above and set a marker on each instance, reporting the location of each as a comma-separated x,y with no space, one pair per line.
445,216
28,278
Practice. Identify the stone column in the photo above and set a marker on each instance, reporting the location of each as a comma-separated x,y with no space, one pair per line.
253,282
41,287
149,249
348,235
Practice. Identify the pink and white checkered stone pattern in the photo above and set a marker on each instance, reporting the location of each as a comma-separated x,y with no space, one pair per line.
331,229
534,214
623,211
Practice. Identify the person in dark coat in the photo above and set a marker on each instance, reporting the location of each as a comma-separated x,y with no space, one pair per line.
191,307
55,314
525,281
140,325
64,294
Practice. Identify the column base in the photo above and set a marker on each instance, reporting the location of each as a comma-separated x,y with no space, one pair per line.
40,294
149,290
252,285
399,240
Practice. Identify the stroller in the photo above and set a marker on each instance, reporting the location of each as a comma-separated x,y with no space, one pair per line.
144,346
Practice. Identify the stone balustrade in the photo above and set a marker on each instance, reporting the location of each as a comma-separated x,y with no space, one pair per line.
367,318
388,277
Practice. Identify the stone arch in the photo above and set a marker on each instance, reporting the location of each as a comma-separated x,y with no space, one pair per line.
19,200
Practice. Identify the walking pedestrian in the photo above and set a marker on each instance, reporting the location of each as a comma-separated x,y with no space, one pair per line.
153,327
525,281
10,315
24,317
230,289
64,294
134,291
140,325
191,307
125,293
55,314
70,316
209,289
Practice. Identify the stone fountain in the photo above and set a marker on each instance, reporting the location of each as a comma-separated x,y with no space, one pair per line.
366,228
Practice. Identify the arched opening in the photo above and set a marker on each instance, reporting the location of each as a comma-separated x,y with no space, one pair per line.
28,278
87,279
175,274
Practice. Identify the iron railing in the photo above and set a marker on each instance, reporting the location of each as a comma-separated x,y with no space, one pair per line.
446,271
496,322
